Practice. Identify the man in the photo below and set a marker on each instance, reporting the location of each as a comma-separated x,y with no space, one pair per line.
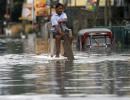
57,20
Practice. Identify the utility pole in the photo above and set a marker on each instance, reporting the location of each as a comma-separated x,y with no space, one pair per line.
8,11
96,12
33,13
65,3
107,13
75,3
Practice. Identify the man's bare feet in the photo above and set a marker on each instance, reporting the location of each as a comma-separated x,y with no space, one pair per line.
57,56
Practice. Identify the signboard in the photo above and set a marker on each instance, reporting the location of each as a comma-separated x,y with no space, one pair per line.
91,5
29,1
33,8
26,12
41,8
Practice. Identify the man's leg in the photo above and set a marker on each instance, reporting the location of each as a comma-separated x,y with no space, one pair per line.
58,41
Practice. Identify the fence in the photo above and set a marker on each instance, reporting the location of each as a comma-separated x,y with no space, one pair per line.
121,34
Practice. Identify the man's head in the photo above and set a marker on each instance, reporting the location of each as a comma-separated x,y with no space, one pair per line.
59,8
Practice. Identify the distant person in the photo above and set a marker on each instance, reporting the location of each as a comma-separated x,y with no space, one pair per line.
58,21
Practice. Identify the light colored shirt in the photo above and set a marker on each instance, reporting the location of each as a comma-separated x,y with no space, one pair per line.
56,18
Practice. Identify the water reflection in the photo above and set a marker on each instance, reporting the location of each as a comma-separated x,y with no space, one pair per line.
19,84
99,78
60,78
122,78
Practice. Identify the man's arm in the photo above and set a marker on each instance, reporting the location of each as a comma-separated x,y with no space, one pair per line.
64,20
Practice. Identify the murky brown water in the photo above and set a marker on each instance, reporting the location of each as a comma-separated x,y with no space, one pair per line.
24,72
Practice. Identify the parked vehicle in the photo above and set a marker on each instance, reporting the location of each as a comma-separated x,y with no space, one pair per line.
91,37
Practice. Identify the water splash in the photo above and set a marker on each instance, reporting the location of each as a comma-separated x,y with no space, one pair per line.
24,59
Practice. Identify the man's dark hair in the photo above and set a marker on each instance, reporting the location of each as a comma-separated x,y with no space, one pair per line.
59,4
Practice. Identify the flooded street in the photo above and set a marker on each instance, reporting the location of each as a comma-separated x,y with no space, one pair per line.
101,75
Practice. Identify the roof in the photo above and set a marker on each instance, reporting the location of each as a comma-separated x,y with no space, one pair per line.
82,31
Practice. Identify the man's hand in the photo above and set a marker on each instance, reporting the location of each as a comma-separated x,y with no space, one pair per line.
62,33
62,20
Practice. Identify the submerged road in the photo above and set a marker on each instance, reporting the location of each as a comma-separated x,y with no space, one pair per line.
25,75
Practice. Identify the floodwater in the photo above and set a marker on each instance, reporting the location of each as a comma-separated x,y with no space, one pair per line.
24,75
